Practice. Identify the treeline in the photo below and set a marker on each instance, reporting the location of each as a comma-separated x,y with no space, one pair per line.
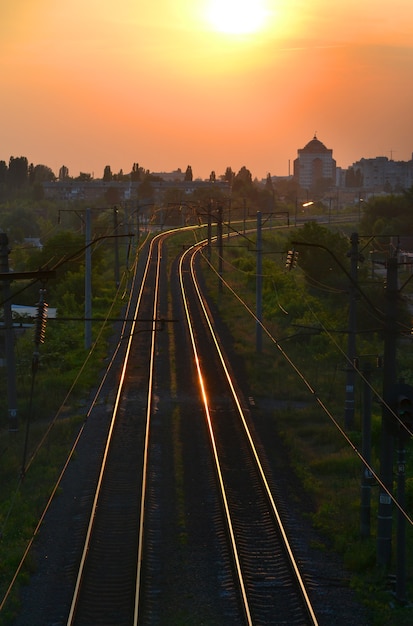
21,176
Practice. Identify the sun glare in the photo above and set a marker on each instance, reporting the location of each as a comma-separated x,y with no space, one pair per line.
236,17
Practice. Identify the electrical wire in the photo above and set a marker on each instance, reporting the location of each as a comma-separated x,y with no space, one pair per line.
52,423
312,391
353,366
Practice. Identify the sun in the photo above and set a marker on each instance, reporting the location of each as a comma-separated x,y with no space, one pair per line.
237,17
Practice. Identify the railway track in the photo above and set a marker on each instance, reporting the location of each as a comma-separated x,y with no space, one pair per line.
109,575
267,579
183,525
119,571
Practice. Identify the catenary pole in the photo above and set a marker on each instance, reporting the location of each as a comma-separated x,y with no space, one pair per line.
385,508
88,280
259,284
366,477
8,336
220,248
351,336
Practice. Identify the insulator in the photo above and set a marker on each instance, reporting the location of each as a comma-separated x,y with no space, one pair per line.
292,257
41,318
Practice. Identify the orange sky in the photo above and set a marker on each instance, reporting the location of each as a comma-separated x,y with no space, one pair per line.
89,83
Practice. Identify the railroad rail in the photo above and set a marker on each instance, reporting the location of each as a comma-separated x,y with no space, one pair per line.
119,574
182,522
108,582
269,584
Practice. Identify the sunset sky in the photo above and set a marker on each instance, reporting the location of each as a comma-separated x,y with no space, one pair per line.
171,83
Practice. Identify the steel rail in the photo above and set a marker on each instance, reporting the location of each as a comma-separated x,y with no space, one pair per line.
192,252
244,597
72,613
147,433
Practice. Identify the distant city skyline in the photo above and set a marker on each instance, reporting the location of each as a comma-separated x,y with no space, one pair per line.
173,84
127,170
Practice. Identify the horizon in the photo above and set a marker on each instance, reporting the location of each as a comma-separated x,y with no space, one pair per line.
126,172
90,85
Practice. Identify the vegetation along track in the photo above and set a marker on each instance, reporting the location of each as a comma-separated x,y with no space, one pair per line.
183,525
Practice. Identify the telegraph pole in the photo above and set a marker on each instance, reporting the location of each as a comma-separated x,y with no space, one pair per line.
366,477
385,514
259,284
8,335
115,230
6,277
209,230
220,249
351,336
401,520
88,280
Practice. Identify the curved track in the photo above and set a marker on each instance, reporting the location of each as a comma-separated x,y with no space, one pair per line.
268,581
119,574
183,526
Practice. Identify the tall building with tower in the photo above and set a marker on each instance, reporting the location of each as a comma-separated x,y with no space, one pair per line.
314,166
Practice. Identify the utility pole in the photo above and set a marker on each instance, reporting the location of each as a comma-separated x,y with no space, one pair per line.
244,200
88,280
259,285
6,277
351,336
138,234
115,230
366,452
220,249
384,519
8,335
401,521
209,230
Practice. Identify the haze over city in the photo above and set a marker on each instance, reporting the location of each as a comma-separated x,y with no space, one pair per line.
206,83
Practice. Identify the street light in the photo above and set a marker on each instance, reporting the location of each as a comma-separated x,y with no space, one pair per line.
303,205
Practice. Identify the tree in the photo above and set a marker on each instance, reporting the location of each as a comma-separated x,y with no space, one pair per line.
268,183
112,195
188,174
39,174
19,223
120,176
287,189
317,260
354,178
63,173
212,177
243,181
145,190
3,172
107,174
3,179
136,172
203,195
56,248
18,172
84,177
229,175
66,250
390,215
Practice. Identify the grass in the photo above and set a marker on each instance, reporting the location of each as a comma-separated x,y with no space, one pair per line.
52,430
326,465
